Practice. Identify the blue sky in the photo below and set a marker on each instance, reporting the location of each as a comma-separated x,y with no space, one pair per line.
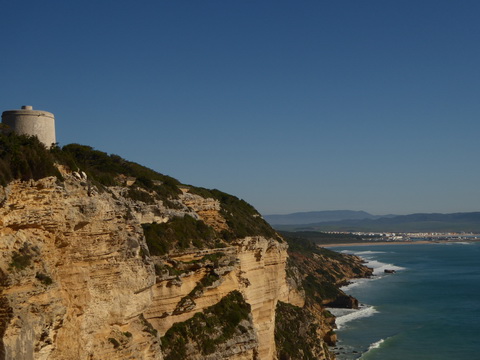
290,105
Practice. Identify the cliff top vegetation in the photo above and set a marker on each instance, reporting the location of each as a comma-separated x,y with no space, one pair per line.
25,157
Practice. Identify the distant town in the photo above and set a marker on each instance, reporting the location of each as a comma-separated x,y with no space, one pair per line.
413,236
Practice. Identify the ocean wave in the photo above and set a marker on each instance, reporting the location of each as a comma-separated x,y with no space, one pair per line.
378,272
353,283
458,243
376,344
346,315
369,252
380,267
377,266
363,252
373,346
347,251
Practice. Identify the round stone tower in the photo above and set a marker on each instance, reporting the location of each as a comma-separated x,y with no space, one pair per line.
27,121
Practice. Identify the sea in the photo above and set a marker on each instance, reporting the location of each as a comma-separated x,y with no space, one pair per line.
428,309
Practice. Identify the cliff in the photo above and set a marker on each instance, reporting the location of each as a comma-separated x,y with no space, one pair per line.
102,258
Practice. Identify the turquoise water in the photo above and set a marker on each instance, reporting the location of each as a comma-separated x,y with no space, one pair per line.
428,309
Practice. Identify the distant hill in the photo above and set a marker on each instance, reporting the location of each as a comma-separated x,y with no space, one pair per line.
455,222
311,217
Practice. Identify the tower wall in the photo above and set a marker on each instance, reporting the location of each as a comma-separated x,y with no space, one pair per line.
27,121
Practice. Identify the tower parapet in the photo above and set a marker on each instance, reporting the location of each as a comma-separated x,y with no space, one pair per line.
27,121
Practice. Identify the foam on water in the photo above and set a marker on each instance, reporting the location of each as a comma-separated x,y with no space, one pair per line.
459,243
378,272
373,346
376,345
355,283
377,266
380,267
366,252
346,315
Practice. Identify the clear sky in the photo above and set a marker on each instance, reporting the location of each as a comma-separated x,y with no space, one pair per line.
290,105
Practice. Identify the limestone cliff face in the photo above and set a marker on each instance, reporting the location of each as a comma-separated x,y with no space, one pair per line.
77,280
75,274
255,266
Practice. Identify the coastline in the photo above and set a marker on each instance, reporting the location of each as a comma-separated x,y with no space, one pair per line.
407,315
419,242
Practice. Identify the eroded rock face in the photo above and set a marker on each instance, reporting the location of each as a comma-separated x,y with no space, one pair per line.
77,281
256,269
207,209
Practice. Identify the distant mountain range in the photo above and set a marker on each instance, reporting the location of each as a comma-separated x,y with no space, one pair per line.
311,217
347,220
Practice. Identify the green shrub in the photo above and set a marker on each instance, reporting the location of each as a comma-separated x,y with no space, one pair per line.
214,258
20,261
178,233
105,168
140,195
114,342
44,279
24,157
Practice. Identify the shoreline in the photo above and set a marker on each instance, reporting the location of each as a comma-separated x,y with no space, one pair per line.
396,335
420,242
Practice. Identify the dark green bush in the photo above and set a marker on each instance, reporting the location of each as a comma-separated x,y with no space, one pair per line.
105,168
20,261
178,233
140,195
44,279
114,342
24,157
